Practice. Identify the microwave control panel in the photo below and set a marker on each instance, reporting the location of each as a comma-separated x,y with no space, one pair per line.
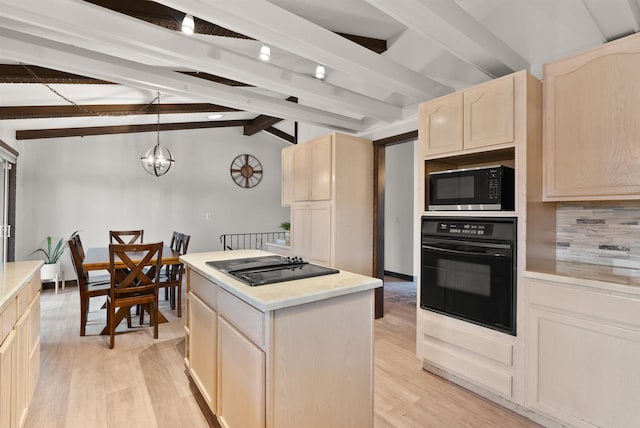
493,181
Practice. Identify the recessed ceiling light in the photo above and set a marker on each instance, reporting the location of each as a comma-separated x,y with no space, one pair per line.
265,53
188,24
215,116
320,73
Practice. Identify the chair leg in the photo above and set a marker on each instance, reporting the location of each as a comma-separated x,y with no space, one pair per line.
110,321
179,299
153,314
172,298
83,314
128,316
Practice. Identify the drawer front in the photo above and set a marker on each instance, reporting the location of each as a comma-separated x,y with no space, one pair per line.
243,316
9,317
203,288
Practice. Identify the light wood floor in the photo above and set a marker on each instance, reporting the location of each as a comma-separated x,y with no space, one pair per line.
142,381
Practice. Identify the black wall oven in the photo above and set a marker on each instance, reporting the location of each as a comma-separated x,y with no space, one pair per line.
469,270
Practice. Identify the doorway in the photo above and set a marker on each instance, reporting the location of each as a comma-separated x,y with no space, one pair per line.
394,198
8,160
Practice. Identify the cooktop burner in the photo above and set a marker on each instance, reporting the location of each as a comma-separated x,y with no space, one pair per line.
256,271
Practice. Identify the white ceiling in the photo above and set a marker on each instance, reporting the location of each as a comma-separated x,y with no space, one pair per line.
434,47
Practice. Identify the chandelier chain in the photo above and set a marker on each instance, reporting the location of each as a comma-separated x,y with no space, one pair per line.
85,109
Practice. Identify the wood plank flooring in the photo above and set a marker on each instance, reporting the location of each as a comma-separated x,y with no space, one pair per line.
142,381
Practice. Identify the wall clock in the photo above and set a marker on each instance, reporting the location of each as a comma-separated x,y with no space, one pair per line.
246,171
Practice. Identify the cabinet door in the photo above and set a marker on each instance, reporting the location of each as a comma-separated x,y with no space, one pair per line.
488,113
301,176
8,381
202,348
320,243
22,329
312,170
440,125
241,381
287,176
34,345
320,168
300,230
591,143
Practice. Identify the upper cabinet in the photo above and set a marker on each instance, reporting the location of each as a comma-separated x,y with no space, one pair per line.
441,125
592,124
488,113
478,117
312,170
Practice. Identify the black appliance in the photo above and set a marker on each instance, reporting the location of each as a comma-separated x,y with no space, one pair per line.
255,271
468,270
483,188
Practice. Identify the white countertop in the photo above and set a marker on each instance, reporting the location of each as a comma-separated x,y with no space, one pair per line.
13,276
282,294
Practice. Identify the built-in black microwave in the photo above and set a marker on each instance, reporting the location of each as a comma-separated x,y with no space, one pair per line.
484,188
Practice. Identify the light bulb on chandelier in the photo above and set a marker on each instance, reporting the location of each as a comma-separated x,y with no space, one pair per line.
157,160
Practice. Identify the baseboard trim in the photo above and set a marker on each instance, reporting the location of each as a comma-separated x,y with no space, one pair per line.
399,275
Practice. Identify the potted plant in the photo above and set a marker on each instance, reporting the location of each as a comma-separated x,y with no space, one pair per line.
286,226
52,255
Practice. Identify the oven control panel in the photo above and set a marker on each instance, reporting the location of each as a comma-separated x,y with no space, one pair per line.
462,228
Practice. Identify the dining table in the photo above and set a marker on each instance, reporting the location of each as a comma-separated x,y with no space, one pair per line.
97,258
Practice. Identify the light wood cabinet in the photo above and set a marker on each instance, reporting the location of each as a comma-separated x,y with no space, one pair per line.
312,170
202,348
287,176
592,124
242,382
332,222
476,118
8,381
19,344
582,353
312,231
281,368
440,127
488,113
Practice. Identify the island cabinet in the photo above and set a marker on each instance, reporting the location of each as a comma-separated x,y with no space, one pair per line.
20,341
476,118
291,354
332,202
592,124
582,351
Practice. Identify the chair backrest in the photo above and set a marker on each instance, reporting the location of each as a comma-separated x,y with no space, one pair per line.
76,259
184,243
133,278
130,236
175,241
78,242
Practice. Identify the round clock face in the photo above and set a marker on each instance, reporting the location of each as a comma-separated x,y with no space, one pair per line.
246,171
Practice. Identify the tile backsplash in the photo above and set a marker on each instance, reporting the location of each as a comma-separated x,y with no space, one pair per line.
603,233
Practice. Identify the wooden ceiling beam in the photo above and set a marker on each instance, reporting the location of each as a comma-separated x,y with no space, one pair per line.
281,134
17,73
41,112
262,122
32,134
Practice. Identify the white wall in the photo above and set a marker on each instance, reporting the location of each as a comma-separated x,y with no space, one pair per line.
398,209
94,184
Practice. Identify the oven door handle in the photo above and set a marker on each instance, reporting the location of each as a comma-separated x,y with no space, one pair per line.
469,253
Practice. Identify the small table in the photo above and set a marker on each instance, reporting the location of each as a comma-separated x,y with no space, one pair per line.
98,259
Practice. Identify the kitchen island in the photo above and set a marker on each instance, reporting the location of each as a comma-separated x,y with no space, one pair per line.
289,354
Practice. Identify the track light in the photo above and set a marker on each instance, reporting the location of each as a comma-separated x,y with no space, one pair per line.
215,116
265,53
320,73
188,24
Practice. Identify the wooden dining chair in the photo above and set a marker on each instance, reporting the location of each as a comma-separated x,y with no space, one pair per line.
171,280
87,288
126,236
134,284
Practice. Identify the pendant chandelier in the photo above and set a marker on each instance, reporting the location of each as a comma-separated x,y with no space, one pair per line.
157,160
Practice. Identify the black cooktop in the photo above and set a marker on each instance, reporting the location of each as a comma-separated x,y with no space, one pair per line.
256,271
